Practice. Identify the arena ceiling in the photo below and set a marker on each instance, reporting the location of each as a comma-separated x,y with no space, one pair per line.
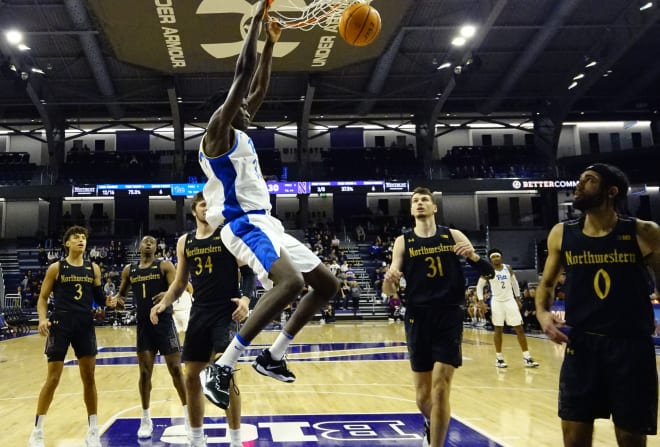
101,59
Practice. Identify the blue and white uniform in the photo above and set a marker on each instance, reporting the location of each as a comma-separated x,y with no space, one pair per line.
237,196
504,292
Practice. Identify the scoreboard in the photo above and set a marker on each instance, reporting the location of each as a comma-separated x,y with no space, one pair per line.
274,188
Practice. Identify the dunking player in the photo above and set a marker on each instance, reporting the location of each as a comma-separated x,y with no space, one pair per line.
609,364
214,273
75,283
149,278
237,196
504,303
428,256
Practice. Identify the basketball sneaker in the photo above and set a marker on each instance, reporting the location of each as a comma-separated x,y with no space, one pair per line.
530,363
265,365
146,428
216,381
36,438
500,363
93,439
198,442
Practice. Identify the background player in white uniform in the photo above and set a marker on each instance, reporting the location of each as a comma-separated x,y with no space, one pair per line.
505,299
237,196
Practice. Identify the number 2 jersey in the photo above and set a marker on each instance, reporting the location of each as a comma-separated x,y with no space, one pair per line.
607,283
433,272
147,283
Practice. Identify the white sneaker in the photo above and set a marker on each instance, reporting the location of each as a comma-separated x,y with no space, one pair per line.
186,424
198,442
36,438
530,363
500,363
93,438
146,428
236,444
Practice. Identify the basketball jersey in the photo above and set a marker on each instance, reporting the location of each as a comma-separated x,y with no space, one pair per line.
147,283
500,286
606,280
235,185
433,272
213,272
73,287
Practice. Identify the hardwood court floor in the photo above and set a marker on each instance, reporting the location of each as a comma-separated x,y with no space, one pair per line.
342,368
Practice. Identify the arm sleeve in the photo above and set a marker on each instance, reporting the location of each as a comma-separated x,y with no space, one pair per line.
247,283
480,288
515,286
99,296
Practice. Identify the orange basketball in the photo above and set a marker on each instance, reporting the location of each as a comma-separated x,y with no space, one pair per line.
359,24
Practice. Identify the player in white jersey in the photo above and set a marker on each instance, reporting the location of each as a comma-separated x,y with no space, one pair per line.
236,196
504,303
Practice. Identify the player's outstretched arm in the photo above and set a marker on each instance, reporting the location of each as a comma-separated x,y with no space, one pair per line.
261,78
217,139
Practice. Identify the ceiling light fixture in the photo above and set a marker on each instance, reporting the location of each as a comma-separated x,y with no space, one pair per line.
14,37
573,85
647,5
443,66
468,31
23,47
458,41
591,64
578,76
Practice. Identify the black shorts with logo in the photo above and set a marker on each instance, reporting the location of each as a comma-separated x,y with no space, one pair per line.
162,337
70,328
209,331
434,335
603,375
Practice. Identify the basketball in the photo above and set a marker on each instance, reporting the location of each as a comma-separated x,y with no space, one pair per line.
359,24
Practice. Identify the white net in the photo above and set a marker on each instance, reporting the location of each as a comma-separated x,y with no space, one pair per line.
305,15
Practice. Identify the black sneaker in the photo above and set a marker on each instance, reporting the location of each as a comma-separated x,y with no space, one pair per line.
265,365
216,382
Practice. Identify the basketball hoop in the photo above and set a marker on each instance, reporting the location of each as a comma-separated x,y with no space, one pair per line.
298,14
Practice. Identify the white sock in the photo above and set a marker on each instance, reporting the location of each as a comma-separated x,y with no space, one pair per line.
527,355
185,412
235,435
145,414
280,345
499,356
233,352
92,420
39,421
197,433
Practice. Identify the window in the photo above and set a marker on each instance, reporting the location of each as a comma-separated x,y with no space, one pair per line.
379,141
486,140
636,139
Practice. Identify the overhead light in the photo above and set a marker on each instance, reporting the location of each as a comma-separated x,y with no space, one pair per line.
573,85
443,66
468,31
578,76
38,70
646,6
23,47
458,41
14,37
591,64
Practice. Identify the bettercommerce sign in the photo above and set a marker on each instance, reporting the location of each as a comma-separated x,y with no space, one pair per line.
193,36
544,184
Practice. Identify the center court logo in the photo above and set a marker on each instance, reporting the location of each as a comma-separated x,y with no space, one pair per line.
393,430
